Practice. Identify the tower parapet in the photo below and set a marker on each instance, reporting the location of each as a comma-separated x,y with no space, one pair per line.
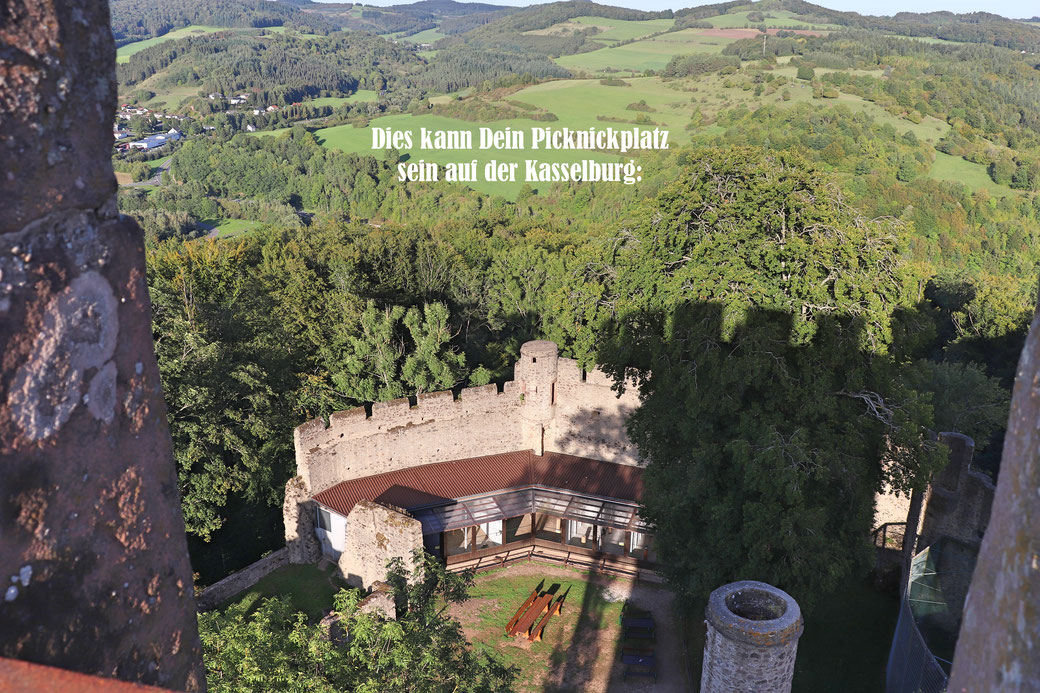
752,639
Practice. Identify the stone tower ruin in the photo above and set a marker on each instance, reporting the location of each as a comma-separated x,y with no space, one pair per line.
535,373
752,639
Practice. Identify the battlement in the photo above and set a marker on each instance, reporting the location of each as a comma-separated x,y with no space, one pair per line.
552,404
396,412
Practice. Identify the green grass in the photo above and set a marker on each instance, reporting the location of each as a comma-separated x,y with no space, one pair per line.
229,228
359,95
427,36
844,646
577,102
171,96
123,53
347,138
650,54
611,30
497,594
780,19
974,176
306,587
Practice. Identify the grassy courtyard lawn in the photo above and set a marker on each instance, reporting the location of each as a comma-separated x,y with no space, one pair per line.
308,588
651,54
580,647
974,176
844,646
123,53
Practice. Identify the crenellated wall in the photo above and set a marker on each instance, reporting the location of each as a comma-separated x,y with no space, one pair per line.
580,415
396,435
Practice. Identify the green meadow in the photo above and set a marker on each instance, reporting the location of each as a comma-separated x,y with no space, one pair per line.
358,96
347,138
123,53
973,176
650,54
577,102
427,36
777,19
611,30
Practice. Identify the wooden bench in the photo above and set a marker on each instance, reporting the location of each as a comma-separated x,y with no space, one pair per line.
524,625
536,632
520,612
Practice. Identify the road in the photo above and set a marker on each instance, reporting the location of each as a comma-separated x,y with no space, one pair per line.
154,180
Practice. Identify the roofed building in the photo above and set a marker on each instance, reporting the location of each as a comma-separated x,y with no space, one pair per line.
542,469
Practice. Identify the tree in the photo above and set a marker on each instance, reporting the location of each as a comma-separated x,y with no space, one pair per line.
759,309
275,649
806,72
432,364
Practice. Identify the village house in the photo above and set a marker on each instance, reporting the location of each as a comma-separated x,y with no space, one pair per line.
156,141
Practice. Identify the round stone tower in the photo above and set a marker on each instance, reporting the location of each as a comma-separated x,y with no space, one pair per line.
535,375
753,631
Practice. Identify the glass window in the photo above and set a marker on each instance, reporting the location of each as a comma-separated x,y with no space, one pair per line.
518,528
548,527
324,519
456,541
612,540
489,534
582,534
643,547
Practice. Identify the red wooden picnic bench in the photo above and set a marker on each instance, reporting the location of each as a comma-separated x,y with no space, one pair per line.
536,632
520,612
524,625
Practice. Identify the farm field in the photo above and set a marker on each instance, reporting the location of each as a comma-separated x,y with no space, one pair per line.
974,176
123,53
577,102
779,19
427,36
650,54
611,30
359,95
347,138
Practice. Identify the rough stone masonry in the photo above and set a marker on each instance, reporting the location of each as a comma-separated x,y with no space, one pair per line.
94,569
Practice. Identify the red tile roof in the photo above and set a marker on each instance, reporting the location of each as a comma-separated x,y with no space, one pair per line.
25,677
433,484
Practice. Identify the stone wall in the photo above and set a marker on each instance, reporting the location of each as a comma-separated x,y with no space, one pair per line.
482,421
374,535
222,590
590,418
95,563
957,503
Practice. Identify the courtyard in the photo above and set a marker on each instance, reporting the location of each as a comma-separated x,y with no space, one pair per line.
580,649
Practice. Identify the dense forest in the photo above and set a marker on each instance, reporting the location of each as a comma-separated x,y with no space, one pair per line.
135,20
